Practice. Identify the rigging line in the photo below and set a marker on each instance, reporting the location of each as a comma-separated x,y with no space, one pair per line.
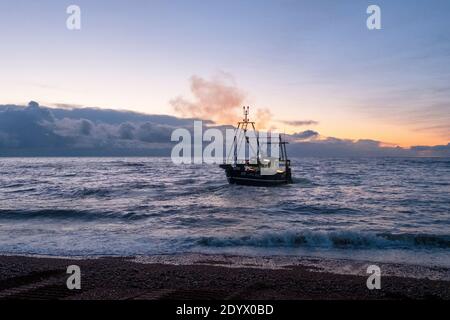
235,138
249,144
229,153
244,132
234,144
238,140
258,147
239,148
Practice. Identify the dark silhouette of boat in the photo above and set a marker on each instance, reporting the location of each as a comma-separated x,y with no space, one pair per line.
260,170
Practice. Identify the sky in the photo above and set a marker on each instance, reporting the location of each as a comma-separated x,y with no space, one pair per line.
309,64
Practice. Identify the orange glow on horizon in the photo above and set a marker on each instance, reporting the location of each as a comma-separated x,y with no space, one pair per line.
388,135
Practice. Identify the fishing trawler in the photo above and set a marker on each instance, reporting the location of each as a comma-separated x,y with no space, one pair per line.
262,170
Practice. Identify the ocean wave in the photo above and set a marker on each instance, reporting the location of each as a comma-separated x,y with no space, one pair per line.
292,206
304,182
134,164
20,190
69,214
13,185
126,163
91,192
322,239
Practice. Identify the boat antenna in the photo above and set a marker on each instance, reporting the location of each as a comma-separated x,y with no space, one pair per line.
246,110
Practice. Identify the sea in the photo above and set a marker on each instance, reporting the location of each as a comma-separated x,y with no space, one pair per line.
370,209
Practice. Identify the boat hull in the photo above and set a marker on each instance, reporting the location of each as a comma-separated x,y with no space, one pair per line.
238,175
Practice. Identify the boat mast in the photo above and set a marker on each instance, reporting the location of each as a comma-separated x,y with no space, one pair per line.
283,152
243,125
280,148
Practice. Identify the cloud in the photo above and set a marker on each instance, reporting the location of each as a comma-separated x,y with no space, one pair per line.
263,118
86,127
88,133
21,127
299,123
126,131
151,132
8,141
115,117
439,129
68,106
437,151
214,100
34,130
42,130
33,105
67,127
219,101
335,147
305,135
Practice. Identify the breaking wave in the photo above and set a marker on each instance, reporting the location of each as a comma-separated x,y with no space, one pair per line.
148,205
343,239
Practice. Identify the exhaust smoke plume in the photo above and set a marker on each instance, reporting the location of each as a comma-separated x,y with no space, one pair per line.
214,100
218,101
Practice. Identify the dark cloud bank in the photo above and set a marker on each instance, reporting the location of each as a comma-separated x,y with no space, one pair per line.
35,130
